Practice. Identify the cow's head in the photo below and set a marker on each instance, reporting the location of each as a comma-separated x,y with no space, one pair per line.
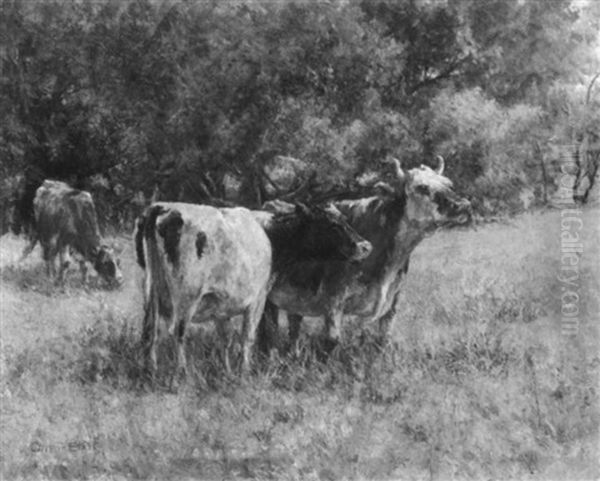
107,265
327,235
430,200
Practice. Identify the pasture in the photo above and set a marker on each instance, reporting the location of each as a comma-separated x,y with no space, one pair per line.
479,383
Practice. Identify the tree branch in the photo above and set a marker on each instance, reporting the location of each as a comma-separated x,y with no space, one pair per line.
444,74
589,90
305,186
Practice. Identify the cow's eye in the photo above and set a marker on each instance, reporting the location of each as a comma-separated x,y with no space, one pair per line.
422,189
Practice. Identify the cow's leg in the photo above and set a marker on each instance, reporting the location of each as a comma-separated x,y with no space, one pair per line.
268,329
333,325
49,256
180,346
48,261
46,257
62,264
294,324
83,270
225,341
386,320
333,329
181,313
150,334
228,342
252,317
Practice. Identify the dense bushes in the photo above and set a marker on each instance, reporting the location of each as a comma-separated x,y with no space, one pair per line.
490,146
184,95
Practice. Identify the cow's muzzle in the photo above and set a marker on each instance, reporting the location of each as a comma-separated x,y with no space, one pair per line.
115,282
465,212
363,249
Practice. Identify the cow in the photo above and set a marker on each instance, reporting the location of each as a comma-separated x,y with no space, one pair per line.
211,263
395,221
65,220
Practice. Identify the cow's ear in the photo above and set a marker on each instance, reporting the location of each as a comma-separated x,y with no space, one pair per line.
101,254
440,168
302,210
400,175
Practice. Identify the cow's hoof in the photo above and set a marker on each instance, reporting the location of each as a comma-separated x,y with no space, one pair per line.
147,378
178,379
325,348
329,345
382,341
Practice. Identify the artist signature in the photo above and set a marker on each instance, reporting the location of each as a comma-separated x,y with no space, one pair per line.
73,446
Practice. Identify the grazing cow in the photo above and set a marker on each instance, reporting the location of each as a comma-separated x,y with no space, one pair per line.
394,221
65,218
221,262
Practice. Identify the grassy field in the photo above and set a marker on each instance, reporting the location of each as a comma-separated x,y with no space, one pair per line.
479,383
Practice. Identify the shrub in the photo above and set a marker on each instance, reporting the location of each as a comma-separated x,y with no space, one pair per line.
489,150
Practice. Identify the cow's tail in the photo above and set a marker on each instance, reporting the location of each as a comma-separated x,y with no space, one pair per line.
156,289
139,240
31,231
32,240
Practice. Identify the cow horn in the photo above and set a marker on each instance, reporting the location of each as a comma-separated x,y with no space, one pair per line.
440,167
399,171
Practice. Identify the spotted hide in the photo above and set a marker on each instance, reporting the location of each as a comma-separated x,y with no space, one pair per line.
65,219
210,263
394,221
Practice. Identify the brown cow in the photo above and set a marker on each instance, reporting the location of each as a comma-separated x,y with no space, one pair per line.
65,219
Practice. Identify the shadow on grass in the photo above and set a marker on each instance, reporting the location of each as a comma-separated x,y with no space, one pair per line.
34,278
194,467
256,467
113,355
109,352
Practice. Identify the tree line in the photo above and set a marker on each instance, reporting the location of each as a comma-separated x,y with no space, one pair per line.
206,101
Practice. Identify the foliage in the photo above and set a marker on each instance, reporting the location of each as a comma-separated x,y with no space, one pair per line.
183,95
489,146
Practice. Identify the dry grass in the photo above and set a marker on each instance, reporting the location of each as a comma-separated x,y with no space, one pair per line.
479,383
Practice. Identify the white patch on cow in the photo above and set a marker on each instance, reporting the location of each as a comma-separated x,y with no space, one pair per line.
422,185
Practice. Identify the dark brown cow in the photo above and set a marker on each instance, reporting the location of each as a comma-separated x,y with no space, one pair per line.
215,263
65,218
395,221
